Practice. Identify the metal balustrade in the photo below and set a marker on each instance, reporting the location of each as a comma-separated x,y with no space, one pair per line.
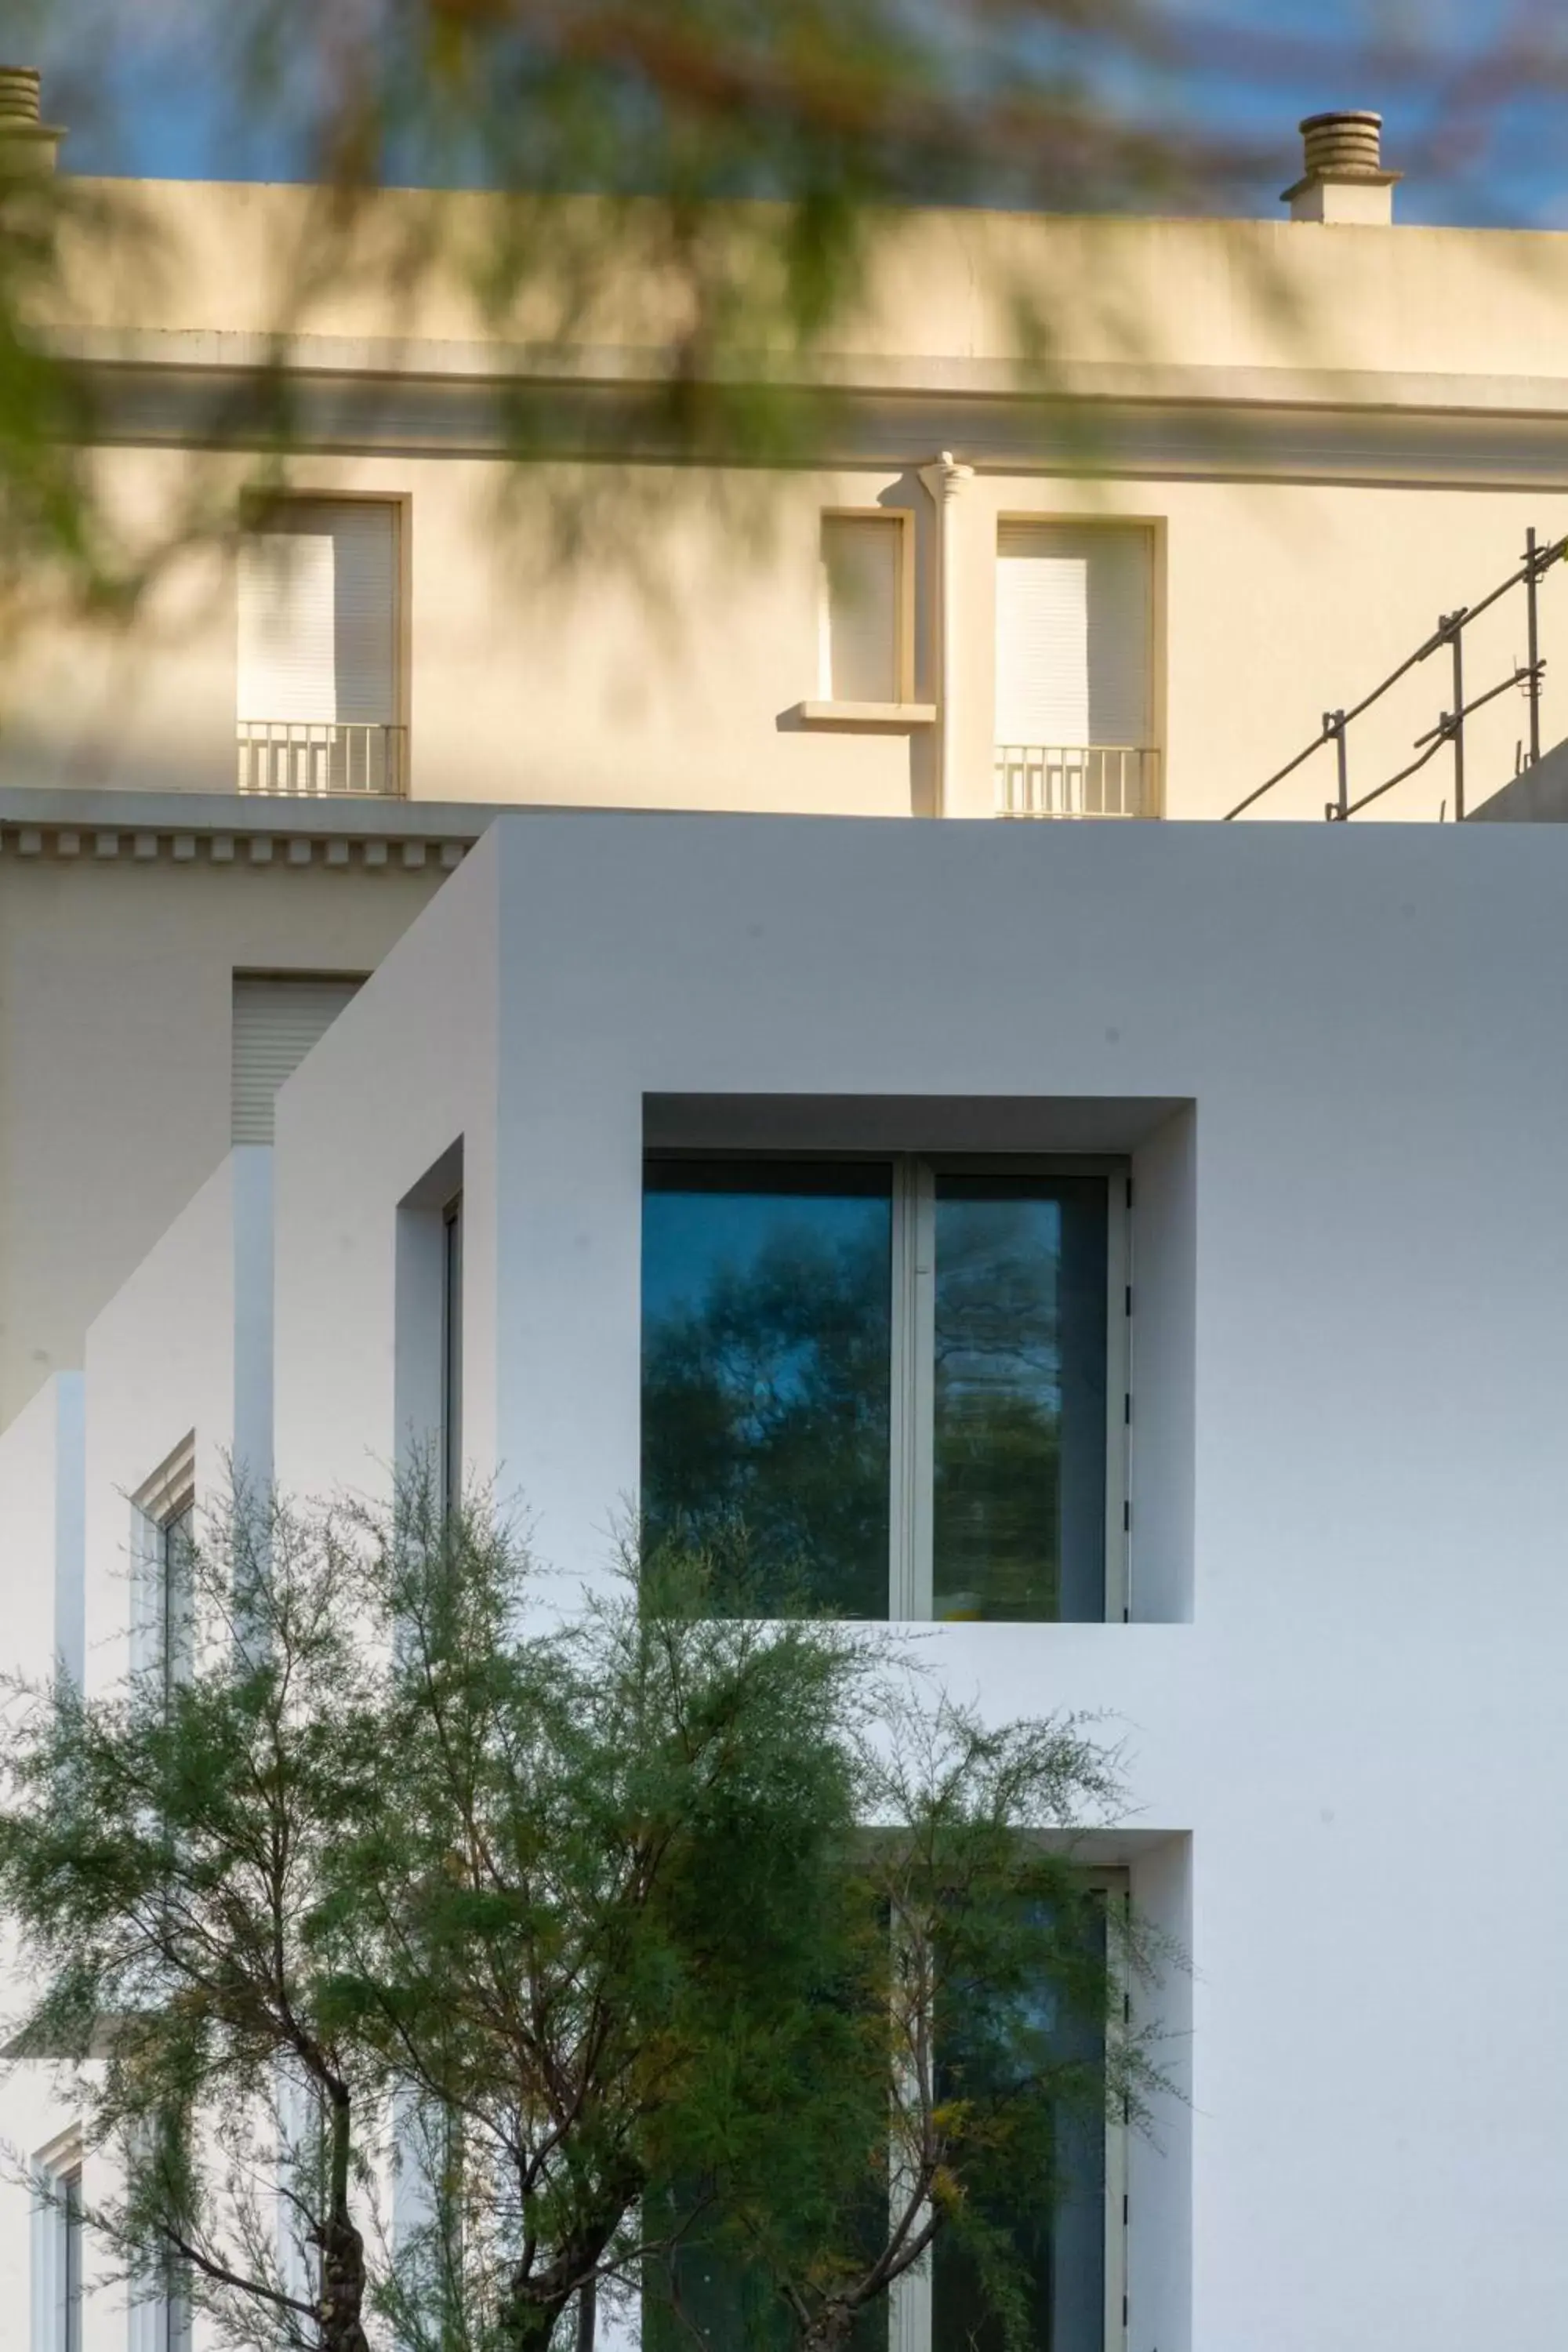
304,759
1090,779
1523,677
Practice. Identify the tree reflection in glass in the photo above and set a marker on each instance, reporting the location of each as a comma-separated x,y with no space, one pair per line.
1043,2196
766,1371
1018,1511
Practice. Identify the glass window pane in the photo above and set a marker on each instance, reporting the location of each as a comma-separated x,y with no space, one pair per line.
704,2300
175,1597
452,1354
1050,2209
1018,1516
70,2223
766,1298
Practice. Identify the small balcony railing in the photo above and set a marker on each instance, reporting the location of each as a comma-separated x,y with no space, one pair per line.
308,760
1077,780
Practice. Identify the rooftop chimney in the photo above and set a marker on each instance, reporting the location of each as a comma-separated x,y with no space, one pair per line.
1344,179
30,143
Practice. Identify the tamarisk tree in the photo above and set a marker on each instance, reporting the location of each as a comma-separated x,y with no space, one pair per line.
441,1966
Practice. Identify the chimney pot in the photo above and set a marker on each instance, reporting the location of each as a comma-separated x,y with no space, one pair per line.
1344,180
20,94
29,141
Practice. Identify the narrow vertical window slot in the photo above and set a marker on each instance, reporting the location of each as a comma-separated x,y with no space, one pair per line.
1117,1404
452,1352
70,2225
176,1538
913,1268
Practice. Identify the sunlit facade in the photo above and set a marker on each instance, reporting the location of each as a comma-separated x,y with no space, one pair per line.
448,999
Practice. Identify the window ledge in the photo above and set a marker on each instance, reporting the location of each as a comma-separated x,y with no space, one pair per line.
876,718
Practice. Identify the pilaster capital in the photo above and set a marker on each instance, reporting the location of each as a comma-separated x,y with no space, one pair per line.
946,478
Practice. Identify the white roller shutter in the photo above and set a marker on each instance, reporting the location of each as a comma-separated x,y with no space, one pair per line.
364,552
860,587
317,614
276,1022
287,599
1072,633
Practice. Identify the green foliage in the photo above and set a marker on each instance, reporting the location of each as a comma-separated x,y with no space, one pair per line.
609,1906
637,1939
173,1856
979,2029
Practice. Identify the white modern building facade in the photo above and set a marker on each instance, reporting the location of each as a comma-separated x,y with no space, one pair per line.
428,990
1287,1164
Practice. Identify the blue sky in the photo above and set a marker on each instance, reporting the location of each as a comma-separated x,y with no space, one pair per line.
134,81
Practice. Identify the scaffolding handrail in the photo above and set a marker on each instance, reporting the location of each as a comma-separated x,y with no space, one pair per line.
1450,727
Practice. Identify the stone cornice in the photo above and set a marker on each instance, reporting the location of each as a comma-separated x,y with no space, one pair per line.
226,829
231,357
1127,421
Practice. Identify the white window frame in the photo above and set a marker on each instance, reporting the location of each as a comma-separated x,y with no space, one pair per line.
52,2168
901,519
911,1469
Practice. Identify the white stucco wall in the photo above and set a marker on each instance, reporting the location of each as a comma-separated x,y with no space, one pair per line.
41,1530
183,1348
1359,1727
386,1098
1336,1058
116,988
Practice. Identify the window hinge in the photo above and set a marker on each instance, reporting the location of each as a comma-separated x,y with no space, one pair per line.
1126,1518
1129,1299
1127,1408
1124,2311
1126,2209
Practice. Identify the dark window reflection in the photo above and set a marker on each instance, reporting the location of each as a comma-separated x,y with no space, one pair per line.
706,2298
705,2301
1045,2196
766,1370
1020,1398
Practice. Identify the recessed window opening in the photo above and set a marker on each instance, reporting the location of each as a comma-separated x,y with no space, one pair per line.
451,1447
899,1384
1063,2215
1074,726
319,703
276,1018
863,624
70,2226
176,1538
163,1547
1068,2233
172,2321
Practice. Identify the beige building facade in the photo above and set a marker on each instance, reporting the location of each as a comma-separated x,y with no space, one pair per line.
1264,457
